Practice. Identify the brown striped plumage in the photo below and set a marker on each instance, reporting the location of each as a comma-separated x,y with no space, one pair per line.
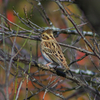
51,50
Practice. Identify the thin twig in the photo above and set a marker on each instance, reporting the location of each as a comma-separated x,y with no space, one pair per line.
76,27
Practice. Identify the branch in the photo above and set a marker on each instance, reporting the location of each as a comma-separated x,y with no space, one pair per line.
76,27
57,72
13,34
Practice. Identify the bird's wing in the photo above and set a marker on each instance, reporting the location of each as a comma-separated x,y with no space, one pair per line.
53,50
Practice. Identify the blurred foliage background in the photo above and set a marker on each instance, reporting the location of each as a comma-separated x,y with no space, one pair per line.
32,47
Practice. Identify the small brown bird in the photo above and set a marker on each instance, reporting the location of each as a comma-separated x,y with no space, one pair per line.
51,50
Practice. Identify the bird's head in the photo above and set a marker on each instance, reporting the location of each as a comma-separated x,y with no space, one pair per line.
47,35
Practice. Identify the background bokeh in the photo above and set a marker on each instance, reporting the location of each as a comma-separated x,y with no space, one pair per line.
32,46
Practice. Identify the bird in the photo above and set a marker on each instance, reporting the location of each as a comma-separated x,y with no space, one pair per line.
51,50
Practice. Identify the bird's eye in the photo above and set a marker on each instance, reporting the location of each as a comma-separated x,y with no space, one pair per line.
43,35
